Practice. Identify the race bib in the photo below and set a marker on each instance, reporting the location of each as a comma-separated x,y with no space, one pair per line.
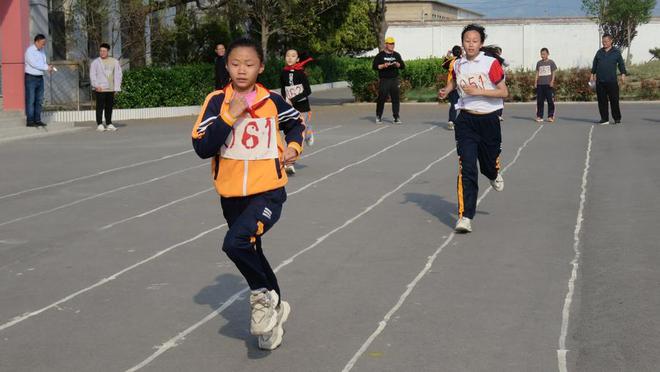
252,139
478,80
545,70
293,90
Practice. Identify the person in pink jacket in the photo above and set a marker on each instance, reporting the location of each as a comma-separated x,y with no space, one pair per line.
105,75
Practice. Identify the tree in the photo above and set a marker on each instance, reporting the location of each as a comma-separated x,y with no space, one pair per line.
378,23
655,52
287,17
620,18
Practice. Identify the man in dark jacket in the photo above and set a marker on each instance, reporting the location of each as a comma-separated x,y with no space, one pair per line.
221,75
603,72
388,63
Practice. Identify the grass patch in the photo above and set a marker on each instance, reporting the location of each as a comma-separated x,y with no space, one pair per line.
422,94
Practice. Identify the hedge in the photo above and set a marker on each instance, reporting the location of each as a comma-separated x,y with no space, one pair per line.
188,85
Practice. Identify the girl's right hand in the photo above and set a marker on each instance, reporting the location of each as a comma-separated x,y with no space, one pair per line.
442,93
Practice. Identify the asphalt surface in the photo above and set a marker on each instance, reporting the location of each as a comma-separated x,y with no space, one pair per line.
109,250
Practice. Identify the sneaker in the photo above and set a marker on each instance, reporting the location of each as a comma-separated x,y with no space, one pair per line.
498,183
617,121
309,139
100,128
450,125
264,315
604,122
111,128
463,225
32,124
540,120
273,339
551,119
501,118
379,120
289,169
397,121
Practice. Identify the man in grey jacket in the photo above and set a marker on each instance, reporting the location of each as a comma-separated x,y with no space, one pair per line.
603,72
105,75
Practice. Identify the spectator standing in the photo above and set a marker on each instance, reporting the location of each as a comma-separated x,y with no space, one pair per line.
106,76
545,82
603,72
35,67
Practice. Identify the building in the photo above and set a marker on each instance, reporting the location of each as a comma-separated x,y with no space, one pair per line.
401,11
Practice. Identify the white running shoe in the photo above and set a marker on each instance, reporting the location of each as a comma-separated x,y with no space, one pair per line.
498,183
273,339
309,139
539,120
604,122
450,125
463,225
100,128
397,121
379,120
264,314
290,169
111,128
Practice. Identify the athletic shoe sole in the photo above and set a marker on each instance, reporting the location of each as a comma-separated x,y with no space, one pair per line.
277,333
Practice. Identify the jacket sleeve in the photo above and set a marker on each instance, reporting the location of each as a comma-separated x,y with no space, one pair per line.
400,60
622,65
377,61
283,83
594,65
92,74
291,123
307,90
118,76
211,128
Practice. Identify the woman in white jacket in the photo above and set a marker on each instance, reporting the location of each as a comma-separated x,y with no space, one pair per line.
105,75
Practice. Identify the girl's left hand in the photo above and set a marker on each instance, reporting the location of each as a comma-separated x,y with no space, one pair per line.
472,90
290,155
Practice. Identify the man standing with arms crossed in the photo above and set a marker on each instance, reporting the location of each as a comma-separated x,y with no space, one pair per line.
603,72
388,63
35,66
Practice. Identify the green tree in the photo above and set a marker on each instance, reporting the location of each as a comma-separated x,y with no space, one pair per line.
620,18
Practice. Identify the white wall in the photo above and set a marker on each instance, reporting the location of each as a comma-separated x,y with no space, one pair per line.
572,42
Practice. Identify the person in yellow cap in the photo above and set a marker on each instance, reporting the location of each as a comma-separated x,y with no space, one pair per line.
388,63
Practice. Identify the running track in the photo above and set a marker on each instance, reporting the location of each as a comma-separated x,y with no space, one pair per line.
109,251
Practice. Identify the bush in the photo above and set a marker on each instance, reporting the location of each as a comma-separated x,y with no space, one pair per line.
165,87
573,85
649,89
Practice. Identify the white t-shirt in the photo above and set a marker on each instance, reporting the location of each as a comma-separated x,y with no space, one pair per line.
484,72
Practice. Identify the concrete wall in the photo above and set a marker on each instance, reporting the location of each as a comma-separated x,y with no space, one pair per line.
572,42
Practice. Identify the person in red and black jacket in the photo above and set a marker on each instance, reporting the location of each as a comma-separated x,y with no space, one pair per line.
388,63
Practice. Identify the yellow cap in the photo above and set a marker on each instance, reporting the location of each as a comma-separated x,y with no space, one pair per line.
389,40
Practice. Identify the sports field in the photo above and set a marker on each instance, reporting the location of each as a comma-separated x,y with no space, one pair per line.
109,250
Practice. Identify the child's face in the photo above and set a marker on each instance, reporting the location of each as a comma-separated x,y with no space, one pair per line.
244,66
544,55
472,43
291,57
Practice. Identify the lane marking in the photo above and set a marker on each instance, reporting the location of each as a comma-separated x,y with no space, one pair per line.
29,315
143,214
174,341
409,288
566,311
66,182
95,196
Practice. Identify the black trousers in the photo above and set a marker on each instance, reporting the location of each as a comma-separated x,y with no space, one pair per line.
478,140
388,87
545,93
104,102
608,92
249,218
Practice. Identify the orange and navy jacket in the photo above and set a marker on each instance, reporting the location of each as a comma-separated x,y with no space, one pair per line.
234,177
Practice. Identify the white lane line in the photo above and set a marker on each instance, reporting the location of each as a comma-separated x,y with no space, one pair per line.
143,214
174,341
66,182
329,129
28,315
566,311
411,286
95,196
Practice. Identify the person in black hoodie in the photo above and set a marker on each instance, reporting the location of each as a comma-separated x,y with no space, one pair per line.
295,88
388,63
221,74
